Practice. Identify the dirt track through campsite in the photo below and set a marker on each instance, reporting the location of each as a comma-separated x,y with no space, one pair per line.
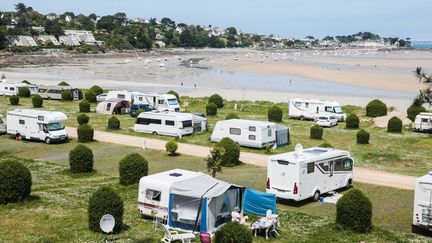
360,174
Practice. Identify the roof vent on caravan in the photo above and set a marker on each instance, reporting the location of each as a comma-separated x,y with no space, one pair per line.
175,174
298,149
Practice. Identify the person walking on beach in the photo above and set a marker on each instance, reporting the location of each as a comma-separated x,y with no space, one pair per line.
194,85
290,82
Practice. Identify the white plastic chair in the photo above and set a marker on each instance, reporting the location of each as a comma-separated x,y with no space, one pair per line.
171,236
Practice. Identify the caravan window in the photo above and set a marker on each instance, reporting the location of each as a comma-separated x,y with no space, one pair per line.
11,88
22,122
161,102
121,96
347,165
307,105
153,195
297,104
6,88
108,107
42,90
140,98
147,121
169,123
329,109
235,131
311,167
424,120
54,91
252,129
252,137
187,123
269,132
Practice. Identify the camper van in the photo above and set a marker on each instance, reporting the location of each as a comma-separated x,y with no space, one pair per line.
2,124
154,190
37,125
122,94
9,89
164,123
248,133
163,102
308,173
423,122
54,92
422,214
311,109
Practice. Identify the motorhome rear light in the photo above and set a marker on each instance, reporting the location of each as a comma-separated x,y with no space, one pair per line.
268,183
295,188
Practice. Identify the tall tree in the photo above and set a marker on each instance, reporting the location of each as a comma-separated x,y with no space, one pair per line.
52,27
3,39
425,94
21,9
214,160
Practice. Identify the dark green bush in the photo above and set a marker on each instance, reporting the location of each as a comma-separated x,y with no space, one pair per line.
105,201
24,92
85,133
25,82
14,100
82,119
352,122
316,132
233,232
63,83
37,101
394,125
231,115
232,152
217,100
376,108
132,168
326,145
81,159
84,106
175,94
171,147
98,90
274,114
354,211
211,109
414,110
90,96
363,137
66,95
113,123
15,181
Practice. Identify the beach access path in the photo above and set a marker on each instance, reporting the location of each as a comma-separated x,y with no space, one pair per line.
362,175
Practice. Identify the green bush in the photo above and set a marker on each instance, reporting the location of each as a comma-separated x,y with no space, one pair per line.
171,147
211,109
316,132
139,111
15,181
24,92
394,125
352,122
233,232
25,82
414,110
132,168
354,211
84,106
363,137
90,96
113,123
37,101
376,108
14,100
85,133
66,95
81,159
274,114
231,115
63,83
232,152
105,201
82,119
326,145
98,90
175,94
217,100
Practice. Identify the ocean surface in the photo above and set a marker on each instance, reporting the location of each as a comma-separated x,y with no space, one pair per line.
423,46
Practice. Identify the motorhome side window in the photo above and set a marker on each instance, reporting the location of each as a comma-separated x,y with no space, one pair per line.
252,129
187,123
311,167
235,131
22,122
347,164
329,109
252,137
161,102
424,120
153,195
121,96
324,166
169,123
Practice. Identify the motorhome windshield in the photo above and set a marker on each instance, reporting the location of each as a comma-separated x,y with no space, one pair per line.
54,126
172,102
337,109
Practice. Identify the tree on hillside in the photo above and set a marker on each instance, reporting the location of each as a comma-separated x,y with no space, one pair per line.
3,39
52,27
92,16
106,22
425,94
21,9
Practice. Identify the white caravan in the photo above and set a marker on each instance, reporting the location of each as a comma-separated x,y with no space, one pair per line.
422,214
311,109
154,190
423,122
249,133
37,125
308,173
161,102
9,89
2,124
164,123
123,94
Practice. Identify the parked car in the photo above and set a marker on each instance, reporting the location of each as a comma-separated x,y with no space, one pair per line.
326,121
101,97
136,107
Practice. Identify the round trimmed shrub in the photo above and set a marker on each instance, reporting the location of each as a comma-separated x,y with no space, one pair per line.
352,122
354,211
233,232
14,100
98,90
326,145
113,123
232,152
105,201
90,96
84,106
37,101
394,125
414,110
363,137
231,115
274,114
316,132
376,108
132,168
24,92
211,109
63,83
82,119
171,147
66,95
15,181
175,94
81,159
85,133
25,82
217,100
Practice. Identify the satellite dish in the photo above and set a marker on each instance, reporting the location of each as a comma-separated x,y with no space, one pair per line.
298,149
107,223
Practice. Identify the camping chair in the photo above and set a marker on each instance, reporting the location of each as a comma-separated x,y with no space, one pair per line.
273,231
171,236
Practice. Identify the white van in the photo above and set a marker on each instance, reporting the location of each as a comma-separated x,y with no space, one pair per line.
164,123
54,92
423,122
161,102
308,173
311,109
37,125
422,214
2,124
154,190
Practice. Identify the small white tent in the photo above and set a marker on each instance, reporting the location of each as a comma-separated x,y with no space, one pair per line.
113,106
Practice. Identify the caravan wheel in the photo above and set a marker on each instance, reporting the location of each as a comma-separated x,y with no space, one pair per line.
301,118
316,196
349,183
154,133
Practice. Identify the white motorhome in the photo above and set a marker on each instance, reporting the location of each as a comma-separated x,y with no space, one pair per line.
164,123
422,213
2,124
423,122
308,173
37,125
9,89
54,92
154,190
249,133
161,102
311,109
122,94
